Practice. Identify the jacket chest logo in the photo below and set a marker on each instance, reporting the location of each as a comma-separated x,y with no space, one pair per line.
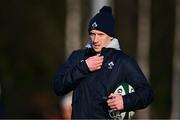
110,65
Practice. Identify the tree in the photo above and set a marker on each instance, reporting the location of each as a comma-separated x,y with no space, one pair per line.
161,54
126,25
143,44
175,113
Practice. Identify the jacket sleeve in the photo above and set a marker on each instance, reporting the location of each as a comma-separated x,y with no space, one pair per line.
70,74
143,94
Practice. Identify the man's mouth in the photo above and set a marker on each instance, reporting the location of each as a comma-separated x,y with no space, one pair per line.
96,46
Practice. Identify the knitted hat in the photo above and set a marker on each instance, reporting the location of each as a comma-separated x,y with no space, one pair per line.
103,21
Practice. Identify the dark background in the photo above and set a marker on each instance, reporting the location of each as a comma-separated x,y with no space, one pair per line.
32,46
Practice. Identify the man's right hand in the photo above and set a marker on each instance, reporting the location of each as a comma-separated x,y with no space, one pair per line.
95,62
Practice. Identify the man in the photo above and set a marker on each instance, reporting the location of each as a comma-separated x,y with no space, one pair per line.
92,72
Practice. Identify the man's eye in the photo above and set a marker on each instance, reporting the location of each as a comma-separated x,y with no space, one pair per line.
91,33
101,35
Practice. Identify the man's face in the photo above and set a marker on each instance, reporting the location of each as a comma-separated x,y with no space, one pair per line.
99,40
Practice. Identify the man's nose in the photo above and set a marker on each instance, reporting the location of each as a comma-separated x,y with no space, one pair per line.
95,39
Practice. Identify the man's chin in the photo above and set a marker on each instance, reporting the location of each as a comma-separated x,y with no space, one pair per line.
97,50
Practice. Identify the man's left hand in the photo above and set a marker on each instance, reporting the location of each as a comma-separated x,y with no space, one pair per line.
115,102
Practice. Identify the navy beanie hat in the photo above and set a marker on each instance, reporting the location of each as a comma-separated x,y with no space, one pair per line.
103,21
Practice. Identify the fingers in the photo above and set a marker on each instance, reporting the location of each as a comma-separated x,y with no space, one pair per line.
112,105
98,54
115,101
112,95
97,58
112,102
95,62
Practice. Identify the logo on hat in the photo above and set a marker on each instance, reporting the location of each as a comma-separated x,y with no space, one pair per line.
94,25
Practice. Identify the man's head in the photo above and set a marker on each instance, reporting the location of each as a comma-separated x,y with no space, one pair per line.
101,28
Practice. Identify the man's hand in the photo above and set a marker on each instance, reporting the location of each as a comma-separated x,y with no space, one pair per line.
94,62
115,102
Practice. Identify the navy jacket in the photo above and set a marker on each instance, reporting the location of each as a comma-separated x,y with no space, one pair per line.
89,88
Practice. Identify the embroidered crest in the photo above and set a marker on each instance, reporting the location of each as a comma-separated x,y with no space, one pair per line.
110,65
94,25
